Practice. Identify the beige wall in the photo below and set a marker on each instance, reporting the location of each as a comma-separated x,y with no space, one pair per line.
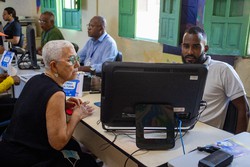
133,50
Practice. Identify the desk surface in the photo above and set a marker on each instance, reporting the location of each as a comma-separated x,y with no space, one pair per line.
25,75
240,150
91,128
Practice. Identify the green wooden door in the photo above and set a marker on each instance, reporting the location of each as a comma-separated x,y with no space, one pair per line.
48,5
169,29
71,16
227,26
127,18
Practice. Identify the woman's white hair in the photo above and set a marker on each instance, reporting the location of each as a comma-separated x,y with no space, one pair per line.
53,50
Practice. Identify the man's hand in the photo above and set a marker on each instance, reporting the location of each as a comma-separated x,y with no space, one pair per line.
1,49
16,79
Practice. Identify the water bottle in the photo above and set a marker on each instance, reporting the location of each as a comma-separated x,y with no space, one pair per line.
95,83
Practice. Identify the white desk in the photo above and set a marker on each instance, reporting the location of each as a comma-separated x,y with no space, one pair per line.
24,76
193,158
92,135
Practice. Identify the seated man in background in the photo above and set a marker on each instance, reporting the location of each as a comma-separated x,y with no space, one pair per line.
99,48
50,31
223,83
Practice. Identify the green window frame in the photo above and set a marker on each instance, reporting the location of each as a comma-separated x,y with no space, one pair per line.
127,13
67,12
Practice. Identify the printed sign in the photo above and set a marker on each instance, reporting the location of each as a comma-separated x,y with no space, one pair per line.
74,87
6,59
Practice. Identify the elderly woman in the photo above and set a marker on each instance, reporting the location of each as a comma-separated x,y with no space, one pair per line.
39,134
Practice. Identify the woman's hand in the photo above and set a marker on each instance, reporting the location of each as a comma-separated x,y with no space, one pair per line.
83,110
73,102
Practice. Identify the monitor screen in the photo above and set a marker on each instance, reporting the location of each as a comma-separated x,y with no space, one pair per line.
127,84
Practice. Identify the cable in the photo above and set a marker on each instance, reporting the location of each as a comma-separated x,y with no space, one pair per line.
197,117
125,164
107,145
182,143
183,134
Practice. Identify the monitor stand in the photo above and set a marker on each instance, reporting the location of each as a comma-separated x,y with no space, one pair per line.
159,117
25,63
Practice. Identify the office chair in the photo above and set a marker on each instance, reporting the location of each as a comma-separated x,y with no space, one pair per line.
231,118
75,46
18,50
118,56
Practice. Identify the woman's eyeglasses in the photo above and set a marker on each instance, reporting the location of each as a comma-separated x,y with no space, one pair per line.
73,59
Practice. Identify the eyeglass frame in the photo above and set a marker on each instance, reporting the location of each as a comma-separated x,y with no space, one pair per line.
92,26
72,60
42,21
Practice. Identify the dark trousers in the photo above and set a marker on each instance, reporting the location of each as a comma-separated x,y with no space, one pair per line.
16,155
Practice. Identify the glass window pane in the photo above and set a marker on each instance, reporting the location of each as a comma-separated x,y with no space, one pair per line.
70,4
147,19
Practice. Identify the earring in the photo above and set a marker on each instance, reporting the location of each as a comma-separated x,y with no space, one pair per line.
56,75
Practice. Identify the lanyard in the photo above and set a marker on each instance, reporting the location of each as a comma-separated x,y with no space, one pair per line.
45,36
96,47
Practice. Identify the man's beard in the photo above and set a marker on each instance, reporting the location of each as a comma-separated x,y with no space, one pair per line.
200,60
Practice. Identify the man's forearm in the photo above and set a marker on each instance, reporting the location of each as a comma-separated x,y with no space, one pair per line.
242,107
84,68
242,121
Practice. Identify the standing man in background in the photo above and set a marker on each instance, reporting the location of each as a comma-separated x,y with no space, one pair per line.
99,48
50,31
223,83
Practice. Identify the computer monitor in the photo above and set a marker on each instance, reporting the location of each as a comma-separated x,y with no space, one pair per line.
127,84
28,60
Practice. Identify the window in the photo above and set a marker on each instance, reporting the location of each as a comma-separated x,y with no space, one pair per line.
67,12
167,16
